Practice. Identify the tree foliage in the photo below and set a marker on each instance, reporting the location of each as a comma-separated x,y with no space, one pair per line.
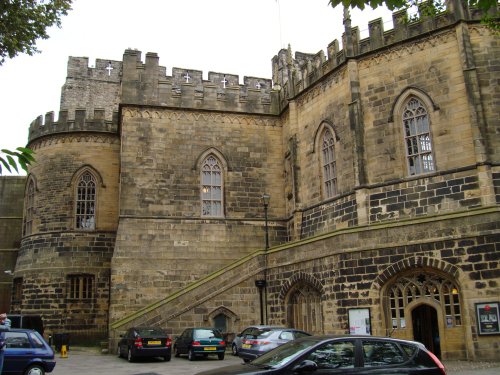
402,4
23,155
22,22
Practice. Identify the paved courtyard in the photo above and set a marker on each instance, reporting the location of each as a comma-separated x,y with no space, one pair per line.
86,361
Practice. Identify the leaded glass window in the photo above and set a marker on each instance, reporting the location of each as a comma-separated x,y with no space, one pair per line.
329,164
80,287
211,187
29,205
417,138
416,285
86,202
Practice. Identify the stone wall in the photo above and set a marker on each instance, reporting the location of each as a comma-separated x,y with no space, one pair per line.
11,218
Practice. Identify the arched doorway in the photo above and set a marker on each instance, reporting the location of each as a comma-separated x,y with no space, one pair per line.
426,327
424,304
304,309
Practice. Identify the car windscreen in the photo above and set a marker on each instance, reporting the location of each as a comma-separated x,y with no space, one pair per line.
144,332
205,334
261,333
284,353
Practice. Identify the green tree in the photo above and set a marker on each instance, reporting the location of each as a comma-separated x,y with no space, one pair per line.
402,4
22,22
23,155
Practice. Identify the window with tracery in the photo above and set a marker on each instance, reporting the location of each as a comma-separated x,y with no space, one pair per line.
304,309
211,187
417,285
417,138
329,164
28,208
80,287
86,202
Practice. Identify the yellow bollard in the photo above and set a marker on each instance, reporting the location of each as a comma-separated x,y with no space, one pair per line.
64,352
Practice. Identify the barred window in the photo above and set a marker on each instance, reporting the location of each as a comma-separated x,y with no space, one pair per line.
211,187
417,138
17,289
28,208
329,164
86,202
80,287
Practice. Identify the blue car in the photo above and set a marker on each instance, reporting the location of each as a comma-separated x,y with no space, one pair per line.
27,353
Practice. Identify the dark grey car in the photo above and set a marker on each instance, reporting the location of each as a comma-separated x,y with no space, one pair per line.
352,355
261,340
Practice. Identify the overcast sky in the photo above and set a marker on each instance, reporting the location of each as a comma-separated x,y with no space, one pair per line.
228,36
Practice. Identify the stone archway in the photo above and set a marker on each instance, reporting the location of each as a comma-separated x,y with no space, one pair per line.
415,298
302,298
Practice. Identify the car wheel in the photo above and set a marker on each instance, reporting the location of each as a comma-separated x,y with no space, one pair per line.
234,349
221,356
35,370
167,358
246,360
176,352
130,357
190,355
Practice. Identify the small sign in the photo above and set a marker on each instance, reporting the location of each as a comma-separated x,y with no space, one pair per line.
487,315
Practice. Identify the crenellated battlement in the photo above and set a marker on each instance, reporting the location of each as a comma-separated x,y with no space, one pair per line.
292,75
147,84
76,121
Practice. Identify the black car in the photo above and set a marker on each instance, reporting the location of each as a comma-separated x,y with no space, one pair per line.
200,342
352,355
142,342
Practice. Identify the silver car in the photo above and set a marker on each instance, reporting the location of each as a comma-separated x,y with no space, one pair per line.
260,340
251,330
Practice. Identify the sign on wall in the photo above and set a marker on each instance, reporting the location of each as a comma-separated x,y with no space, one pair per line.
488,317
359,322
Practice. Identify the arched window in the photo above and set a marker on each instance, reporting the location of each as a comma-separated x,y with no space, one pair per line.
329,164
86,202
28,208
416,285
417,138
211,187
304,309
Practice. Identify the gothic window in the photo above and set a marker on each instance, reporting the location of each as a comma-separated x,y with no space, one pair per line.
80,287
416,285
211,187
28,208
329,164
86,202
304,309
17,289
418,140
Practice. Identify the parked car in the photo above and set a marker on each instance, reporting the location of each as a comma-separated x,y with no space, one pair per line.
200,342
27,353
353,355
238,340
261,340
145,342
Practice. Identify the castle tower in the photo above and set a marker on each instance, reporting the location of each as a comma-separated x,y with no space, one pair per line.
71,203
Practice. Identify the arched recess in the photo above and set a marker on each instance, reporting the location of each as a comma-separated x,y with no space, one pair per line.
214,151
421,299
302,295
225,320
323,126
403,97
86,168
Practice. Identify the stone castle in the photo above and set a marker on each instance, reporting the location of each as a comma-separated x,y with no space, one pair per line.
381,161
